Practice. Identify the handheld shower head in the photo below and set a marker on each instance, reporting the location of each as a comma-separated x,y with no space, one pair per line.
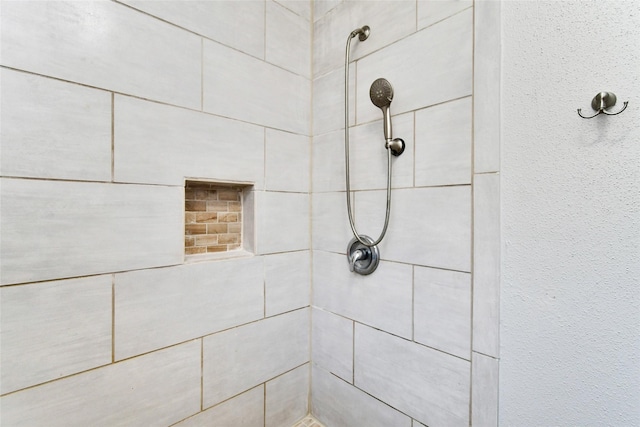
381,94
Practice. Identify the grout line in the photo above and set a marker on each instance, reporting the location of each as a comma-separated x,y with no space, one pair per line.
113,318
353,352
415,147
201,74
202,374
113,137
472,207
413,303
264,404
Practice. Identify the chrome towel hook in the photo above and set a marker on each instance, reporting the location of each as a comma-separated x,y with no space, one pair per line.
601,102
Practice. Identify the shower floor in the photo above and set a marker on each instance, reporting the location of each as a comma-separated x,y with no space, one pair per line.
308,421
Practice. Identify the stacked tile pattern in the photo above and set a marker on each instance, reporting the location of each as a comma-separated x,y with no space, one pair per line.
213,218
415,343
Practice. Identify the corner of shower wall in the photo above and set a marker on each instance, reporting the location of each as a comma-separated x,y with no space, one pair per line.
428,281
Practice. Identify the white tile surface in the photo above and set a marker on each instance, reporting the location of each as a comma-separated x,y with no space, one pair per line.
103,44
432,11
426,384
486,264
428,226
287,162
160,307
243,357
321,7
429,67
443,144
242,87
52,129
288,39
328,101
332,343
328,162
382,299
53,329
287,397
160,144
283,222
486,85
287,281
159,388
442,310
244,410
484,391
389,21
55,229
338,404
368,156
216,20
300,7
330,224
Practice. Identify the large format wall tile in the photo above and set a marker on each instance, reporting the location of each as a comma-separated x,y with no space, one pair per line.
442,310
160,144
159,307
389,21
287,281
103,44
426,384
484,391
286,28
443,144
328,165
244,410
486,84
159,388
429,67
287,162
283,222
240,358
432,11
368,155
486,264
302,8
52,129
329,221
55,229
287,397
242,87
328,101
382,299
332,343
53,329
216,20
339,404
428,226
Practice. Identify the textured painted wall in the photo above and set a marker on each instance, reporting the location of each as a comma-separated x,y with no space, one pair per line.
570,314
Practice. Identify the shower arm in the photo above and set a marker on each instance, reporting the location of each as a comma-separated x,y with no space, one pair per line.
364,32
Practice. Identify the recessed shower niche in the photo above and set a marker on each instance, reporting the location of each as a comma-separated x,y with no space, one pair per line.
218,219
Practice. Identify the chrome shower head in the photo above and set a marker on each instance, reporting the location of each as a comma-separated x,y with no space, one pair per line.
363,33
381,93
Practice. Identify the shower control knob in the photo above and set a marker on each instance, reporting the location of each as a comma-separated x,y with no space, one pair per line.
362,259
396,146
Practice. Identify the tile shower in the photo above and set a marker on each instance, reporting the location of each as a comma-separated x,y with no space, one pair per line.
108,107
